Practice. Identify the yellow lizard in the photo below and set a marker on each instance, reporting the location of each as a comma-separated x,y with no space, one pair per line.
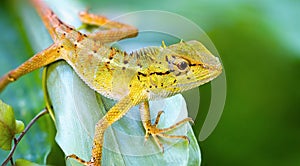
147,74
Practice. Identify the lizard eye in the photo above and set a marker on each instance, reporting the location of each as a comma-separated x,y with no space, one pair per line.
182,65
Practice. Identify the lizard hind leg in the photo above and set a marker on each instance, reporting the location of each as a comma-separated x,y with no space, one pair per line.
115,30
152,129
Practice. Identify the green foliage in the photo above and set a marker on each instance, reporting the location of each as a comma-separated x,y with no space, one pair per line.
22,162
25,95
9,126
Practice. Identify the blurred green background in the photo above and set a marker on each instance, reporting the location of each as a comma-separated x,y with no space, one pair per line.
259,44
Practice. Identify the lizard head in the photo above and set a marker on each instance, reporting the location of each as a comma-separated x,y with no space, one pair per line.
192,64
179,67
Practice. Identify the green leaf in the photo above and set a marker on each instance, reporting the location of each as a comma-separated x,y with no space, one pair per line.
22,162
19,126
77,109
25,95
8,126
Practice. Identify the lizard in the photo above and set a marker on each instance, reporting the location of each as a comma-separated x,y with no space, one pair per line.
150,73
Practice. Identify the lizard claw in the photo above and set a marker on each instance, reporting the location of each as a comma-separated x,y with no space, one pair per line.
75,157
153,130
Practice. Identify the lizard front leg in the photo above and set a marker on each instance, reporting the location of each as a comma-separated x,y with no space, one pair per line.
114,114
115,30
152,129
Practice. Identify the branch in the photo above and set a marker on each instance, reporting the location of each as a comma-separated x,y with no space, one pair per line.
16,141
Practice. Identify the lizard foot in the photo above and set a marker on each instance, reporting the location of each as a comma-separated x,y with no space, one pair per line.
87,163
151,129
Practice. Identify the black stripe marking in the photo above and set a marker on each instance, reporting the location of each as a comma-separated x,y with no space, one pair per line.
157,73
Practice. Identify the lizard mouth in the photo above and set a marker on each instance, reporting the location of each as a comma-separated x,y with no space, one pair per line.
202,78
212,74
214,69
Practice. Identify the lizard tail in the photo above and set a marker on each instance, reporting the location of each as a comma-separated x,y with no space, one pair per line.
54,25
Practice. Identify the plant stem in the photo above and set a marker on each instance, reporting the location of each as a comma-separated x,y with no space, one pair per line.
12,161
17,140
